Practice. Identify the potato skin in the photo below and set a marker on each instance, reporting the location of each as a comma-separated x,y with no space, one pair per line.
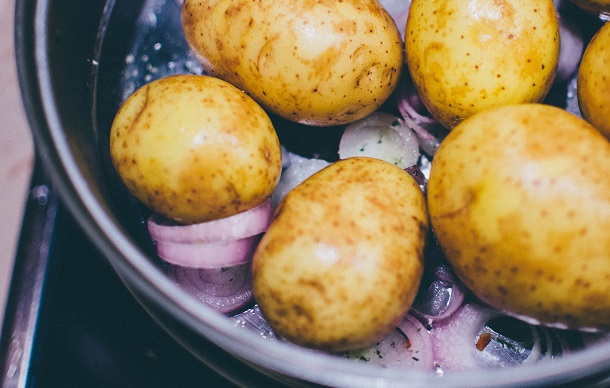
463,62
519,198
594,81
195,148
319,63
342,260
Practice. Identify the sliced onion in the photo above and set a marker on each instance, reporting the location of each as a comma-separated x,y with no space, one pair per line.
407,347
478,337
418,175
420,341
440,295
296,173
214,254
383,136
454,340
440,300
428,130
214,281
225,290
248,223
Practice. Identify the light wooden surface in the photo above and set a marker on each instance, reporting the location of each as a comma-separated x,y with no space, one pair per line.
16,151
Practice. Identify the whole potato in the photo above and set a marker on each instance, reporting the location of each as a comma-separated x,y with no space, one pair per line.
319,63
341,263
195,148
466,56
593,81
519,198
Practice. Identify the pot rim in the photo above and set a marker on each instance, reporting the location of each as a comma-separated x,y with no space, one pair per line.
139,273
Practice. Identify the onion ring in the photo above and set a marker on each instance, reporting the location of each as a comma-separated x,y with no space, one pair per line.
440,295
408,346
470,340
248,223
214,254
230,291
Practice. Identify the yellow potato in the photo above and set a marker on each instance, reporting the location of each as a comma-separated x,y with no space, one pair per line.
195,148
600,8
466,56
519,198
343,258
594,81
319,63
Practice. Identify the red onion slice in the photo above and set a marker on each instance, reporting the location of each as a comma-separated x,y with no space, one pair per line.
440,295
443,300
219,282
454,340
407,347
229,289
248,223
417,174
214,254
383,136
428,130
478,337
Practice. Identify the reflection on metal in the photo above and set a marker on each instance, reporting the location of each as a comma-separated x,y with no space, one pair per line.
25,293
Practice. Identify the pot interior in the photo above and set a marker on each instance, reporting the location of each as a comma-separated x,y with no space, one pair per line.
71,113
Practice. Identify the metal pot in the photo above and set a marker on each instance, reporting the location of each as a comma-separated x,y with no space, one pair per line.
73,71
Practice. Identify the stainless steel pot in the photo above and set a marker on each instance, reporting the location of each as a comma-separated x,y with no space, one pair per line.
73,71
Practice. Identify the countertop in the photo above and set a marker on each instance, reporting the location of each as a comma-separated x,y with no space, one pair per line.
16,151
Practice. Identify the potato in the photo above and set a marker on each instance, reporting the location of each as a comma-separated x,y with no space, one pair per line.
595,7
314,62
468,56
519,198
341,263
593,81
195,148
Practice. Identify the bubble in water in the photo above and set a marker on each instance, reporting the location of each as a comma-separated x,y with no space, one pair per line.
151,19
152,69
